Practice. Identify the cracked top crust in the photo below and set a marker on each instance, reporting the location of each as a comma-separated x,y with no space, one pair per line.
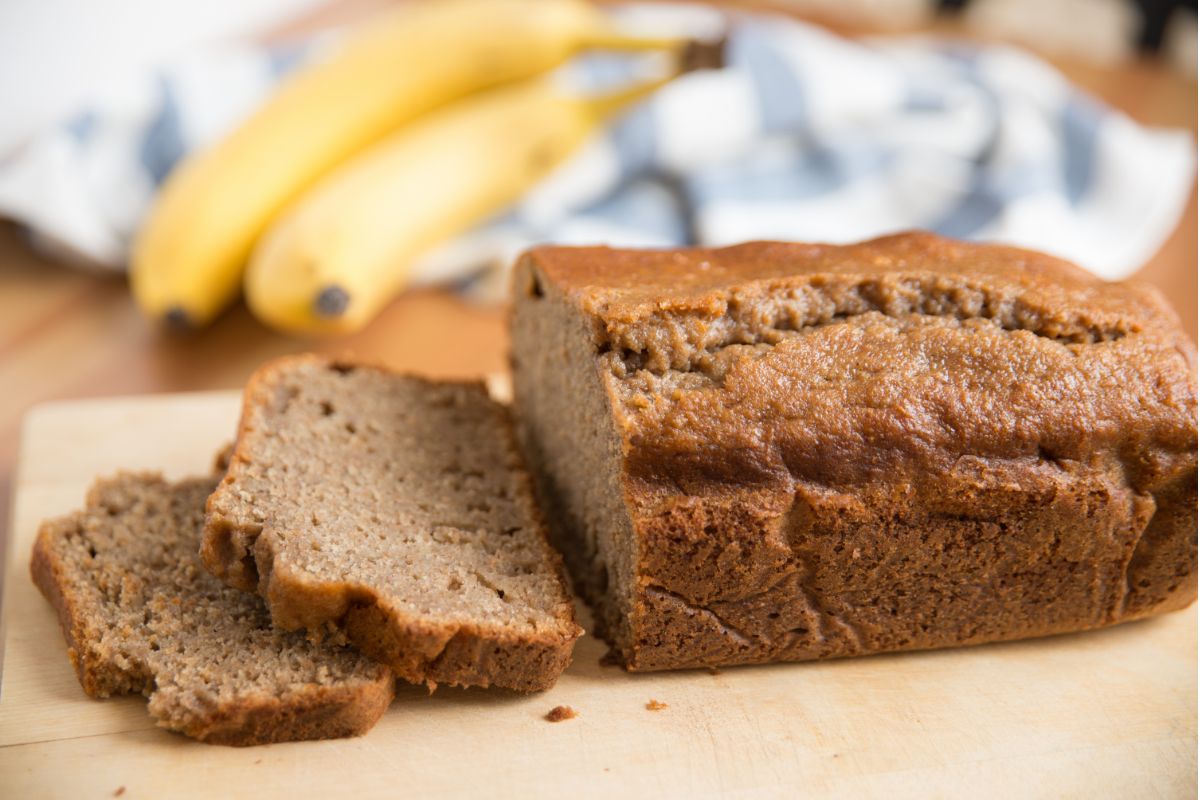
887,361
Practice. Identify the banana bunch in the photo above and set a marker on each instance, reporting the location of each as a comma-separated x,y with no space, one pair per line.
428,121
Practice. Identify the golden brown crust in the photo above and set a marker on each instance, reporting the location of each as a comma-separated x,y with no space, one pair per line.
634,281
414,649
714,348
311,711
905,443
463,656
47,571
321,712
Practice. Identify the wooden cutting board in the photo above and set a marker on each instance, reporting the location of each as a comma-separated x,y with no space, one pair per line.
1104,714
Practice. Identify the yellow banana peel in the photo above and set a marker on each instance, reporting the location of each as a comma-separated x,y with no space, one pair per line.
188,260
343,251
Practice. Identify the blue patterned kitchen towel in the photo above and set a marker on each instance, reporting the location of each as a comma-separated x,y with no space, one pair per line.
803,136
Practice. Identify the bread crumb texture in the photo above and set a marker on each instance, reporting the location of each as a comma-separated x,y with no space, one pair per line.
398,512
141,615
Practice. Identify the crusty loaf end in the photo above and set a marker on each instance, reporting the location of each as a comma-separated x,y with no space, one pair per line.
783,451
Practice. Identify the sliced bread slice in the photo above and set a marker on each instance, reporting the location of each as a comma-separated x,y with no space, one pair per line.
398,511
141,615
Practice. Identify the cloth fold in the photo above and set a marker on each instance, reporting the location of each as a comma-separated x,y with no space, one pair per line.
803,136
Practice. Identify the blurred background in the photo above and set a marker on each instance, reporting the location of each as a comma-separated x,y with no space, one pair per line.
1065,125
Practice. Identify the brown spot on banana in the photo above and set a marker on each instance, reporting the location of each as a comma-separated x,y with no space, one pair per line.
332,301
177,320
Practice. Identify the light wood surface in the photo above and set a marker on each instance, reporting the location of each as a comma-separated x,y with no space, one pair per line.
1104,714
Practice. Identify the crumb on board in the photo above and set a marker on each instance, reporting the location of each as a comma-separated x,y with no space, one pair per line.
258,761
560,713
120,791
655,705
713,671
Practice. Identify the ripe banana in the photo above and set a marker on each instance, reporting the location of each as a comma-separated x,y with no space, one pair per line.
343,251
188,260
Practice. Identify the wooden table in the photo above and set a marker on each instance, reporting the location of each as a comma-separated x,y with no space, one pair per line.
68,334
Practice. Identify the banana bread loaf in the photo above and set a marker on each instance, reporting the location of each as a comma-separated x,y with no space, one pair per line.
779,452
140,614
398,511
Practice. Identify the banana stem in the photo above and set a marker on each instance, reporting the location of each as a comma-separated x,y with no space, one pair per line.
615,40
607,105
691,55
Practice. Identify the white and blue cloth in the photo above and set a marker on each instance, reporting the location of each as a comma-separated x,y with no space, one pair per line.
803,136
